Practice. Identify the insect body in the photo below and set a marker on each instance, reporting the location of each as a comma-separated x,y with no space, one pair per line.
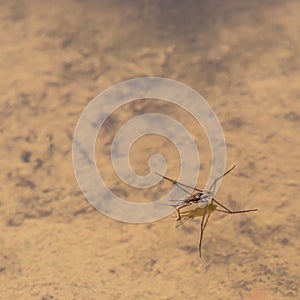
206,204
203,199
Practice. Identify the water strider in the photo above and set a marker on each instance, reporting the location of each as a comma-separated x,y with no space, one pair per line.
205,201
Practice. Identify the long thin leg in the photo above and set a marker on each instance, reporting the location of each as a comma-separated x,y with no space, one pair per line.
213,186
179,183
177,203
234,212
179,208
206,221
181,188
193,188
202,230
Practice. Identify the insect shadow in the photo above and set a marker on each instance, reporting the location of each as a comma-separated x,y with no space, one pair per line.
205,201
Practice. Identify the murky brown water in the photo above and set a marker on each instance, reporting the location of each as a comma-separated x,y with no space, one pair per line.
242,56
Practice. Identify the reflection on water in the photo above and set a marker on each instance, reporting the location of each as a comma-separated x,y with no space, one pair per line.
242,56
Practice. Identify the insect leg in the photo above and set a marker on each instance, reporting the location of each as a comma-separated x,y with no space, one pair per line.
179,208
206,221
236,211
179,184
202,230
228,211
213,186
181,188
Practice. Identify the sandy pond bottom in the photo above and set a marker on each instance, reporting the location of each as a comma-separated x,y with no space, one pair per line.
242,56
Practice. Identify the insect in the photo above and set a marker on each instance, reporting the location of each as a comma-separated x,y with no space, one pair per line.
206,204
